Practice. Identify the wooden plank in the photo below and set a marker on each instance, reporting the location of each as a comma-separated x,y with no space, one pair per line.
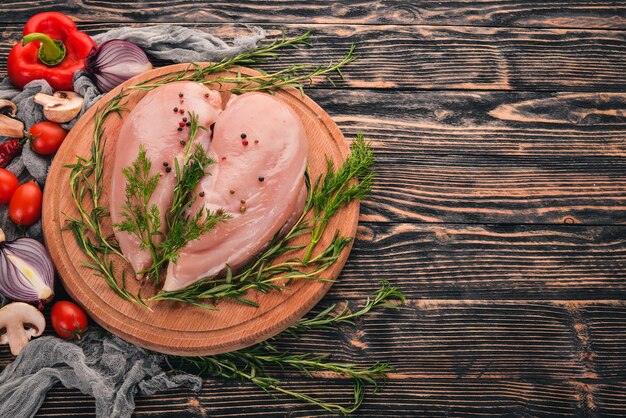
610,398
498,189
552,357
492,157
428,57
406,398
490,340
605,327
519,124
537,13
514,262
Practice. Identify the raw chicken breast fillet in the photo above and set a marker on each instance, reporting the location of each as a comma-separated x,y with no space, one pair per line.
260,148
154,124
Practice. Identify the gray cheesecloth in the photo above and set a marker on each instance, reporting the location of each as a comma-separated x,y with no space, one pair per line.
101,365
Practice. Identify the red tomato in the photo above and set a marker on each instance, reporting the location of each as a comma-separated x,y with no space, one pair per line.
47,137
68,320
8,185
25,204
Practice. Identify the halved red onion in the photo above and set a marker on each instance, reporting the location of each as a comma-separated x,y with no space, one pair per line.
26,272
114,62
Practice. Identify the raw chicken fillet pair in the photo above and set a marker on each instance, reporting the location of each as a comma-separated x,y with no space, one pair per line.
260,148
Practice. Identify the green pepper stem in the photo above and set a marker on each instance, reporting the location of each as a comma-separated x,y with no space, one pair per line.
51,51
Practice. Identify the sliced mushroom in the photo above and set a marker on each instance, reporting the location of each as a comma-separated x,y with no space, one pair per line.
7,107
9,125
61,107
21,322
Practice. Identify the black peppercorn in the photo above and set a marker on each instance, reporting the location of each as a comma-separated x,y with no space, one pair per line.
185,119
180,129
180,95
175,109
165,164
168,169
201,194
188,124
243,136
261,178
183,142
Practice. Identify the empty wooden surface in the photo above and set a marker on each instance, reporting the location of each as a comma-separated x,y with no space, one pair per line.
500,206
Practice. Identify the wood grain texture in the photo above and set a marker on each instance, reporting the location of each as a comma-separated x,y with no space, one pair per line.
496,209
450,355
169,327
407,398
533,13
427,57
493,157
480,262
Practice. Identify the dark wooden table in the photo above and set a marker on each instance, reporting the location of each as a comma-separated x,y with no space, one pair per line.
500,207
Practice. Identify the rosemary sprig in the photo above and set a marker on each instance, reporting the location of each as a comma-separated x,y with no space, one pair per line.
252,363
197,73
297,76
262,274
327,319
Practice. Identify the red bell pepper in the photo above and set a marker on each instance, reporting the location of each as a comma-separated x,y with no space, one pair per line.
52,48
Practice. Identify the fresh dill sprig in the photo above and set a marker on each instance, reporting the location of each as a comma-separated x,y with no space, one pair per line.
139,217
352,181
252,363
86,185
195,72
144,220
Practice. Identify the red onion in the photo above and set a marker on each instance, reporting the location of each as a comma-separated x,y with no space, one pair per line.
114,62
26,273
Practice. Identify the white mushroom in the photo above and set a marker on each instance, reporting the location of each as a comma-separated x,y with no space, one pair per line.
7,107
9,125
61,107
20,321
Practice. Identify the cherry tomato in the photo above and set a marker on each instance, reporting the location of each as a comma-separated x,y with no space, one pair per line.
47,137
8,185
25,204
68,320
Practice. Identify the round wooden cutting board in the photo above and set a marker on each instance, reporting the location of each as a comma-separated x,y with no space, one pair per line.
171,327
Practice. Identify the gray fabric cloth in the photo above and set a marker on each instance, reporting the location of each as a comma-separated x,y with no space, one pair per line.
103,366
173,43
182,44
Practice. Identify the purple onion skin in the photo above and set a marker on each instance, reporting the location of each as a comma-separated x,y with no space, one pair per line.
13,284
101,62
